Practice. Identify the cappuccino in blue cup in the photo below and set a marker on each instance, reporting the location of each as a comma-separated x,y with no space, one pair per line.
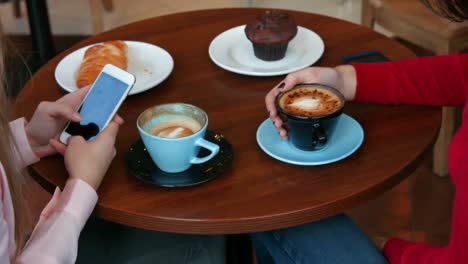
173,135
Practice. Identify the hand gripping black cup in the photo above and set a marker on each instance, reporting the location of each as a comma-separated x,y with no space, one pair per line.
310,113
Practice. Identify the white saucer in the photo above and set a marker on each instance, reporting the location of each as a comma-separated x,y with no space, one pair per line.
149,63
346,139
232,51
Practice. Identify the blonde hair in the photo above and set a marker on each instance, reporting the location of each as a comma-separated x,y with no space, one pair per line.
14,174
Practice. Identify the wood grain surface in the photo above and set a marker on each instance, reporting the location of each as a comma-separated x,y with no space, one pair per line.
258,192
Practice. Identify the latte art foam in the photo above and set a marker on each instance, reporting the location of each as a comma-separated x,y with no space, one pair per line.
174,132
175,127
310,101
306,103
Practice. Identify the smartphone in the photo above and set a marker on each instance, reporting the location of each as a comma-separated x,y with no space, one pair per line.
369,56
100,103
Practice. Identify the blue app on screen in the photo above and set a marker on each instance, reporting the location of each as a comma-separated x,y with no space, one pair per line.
98,106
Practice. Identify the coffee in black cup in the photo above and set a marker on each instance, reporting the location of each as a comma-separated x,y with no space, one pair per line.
310,113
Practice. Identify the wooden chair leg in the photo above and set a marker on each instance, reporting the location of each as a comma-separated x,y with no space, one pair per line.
367,17
96,16
447,129
108,5
17,8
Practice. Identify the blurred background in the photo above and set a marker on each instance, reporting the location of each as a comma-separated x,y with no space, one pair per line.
69,17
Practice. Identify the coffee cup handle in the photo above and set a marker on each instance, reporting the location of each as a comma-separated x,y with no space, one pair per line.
209,146
319,135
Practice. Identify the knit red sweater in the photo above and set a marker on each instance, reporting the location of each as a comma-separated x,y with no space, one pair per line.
441,81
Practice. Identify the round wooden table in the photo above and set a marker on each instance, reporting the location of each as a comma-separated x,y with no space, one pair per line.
258,192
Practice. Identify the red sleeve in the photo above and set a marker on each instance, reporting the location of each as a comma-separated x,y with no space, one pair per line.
399,251
431,81
437,80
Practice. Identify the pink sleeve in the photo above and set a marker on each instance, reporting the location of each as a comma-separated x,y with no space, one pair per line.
4,237
55,237
24,155
437,80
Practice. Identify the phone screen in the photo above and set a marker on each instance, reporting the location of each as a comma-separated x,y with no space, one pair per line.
98,106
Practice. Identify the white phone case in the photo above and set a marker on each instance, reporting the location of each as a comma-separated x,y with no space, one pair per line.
117,73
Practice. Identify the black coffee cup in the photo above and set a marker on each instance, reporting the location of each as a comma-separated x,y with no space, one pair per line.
310,113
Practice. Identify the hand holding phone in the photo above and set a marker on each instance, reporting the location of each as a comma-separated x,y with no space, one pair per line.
89,161
101,103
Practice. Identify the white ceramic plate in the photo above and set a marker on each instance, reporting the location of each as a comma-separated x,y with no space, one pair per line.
232,51
346,139
149,63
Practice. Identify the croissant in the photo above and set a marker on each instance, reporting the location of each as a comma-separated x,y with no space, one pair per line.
110,52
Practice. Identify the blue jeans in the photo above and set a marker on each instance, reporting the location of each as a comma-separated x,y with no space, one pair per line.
336,240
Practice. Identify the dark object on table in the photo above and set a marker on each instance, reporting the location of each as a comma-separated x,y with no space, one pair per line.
369,56
140,165
270,34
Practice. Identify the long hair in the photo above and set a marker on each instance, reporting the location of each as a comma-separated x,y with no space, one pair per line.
14,174
456,10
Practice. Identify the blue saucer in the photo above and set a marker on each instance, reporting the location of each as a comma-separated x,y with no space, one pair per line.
347,138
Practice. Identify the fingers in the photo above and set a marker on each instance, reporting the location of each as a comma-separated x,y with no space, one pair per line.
85,89
57,146
307,75
57,109
270,104
112,129
380,241
283,133
44,151
278,123
288,83
119,120
292,80
109,133
76,140
80,93
75,98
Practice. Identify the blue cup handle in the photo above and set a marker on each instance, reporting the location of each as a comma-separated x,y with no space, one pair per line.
209,146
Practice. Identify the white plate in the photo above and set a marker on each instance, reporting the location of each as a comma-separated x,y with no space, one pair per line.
232,51
149,63
346,139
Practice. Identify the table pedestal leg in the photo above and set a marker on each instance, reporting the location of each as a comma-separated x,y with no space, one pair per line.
239,249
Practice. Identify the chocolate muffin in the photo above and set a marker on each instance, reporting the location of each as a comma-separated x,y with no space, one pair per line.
270,34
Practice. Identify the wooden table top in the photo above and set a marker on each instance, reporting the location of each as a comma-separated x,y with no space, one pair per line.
258,192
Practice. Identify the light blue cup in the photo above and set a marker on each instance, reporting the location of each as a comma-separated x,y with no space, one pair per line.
175,154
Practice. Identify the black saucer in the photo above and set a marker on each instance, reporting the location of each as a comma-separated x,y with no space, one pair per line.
140,165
